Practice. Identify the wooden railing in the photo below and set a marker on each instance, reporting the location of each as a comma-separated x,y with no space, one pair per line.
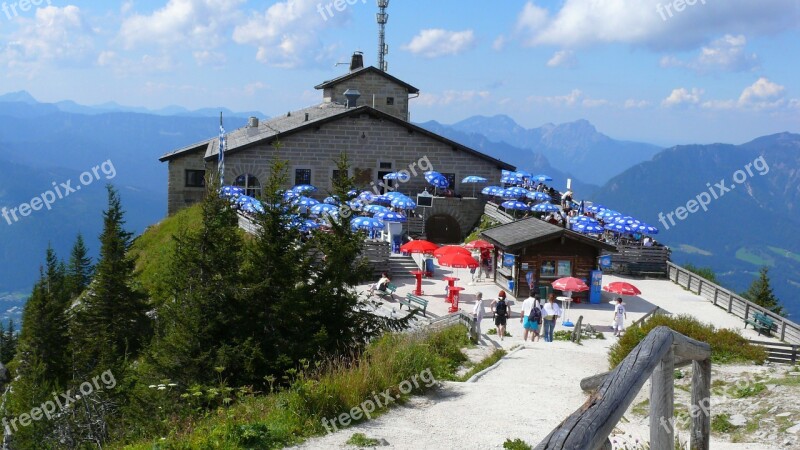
784,329
456,317
780,353
493,211
653,312
640,260
589,427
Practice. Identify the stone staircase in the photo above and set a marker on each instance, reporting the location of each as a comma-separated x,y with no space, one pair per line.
401,266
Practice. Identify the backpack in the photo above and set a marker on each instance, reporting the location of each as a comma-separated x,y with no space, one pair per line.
535,315
501,309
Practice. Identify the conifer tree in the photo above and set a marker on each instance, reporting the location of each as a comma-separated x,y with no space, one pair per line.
79,269
760,292
8,342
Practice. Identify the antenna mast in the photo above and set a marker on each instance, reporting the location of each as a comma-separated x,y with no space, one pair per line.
383,49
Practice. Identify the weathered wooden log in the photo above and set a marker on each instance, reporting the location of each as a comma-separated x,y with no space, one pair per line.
589,427
701,405
688,348
593,382
576,333
662,403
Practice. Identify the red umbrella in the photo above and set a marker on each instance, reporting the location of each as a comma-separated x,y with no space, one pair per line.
458,261
479,245
447,249
622,288
570,284
418,246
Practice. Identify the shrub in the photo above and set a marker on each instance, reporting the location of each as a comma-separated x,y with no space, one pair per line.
727,346
361,440
516,444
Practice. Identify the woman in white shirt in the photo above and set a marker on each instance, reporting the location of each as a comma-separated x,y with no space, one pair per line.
550,313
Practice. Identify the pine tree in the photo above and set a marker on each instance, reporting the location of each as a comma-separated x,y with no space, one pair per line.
8,342
79,269
760,293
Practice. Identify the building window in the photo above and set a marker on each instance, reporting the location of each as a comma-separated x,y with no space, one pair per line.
302,176
564,268
548,269
195,178
384,165
390,101
451,180
250,183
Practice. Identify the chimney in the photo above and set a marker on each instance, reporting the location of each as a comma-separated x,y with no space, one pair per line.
306,117
252,122
352,96
357,62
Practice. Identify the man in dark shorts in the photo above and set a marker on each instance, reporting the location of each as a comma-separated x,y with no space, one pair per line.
502,311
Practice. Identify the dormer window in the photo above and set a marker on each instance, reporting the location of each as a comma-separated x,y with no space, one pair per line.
390,101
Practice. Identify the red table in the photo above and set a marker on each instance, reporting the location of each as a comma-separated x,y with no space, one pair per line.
451,281
454,297
418,274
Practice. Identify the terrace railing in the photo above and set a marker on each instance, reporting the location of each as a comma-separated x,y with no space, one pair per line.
493,211
784,329
639,260
454,318
589,427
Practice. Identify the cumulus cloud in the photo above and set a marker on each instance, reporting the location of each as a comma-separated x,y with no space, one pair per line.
563,58
727,53
209,58
436,42
683,97
762,94
589,22
635,104
575,98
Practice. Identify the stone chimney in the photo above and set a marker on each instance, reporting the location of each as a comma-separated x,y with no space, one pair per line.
357,62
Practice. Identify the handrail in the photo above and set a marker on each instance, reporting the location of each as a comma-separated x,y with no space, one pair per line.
590,426
653,312
456,317
493,210
723,298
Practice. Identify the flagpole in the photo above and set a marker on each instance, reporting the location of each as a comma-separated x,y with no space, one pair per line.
221,156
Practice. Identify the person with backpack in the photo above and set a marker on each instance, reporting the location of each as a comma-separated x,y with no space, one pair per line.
531,317
551,313
501,313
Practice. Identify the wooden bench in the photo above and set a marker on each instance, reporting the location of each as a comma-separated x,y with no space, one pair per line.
761,323
389,291
419,302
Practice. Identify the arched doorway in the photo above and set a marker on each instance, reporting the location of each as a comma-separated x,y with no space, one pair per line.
443,229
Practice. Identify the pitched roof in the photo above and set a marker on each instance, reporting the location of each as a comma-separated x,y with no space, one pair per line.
294,122
355,73
523,233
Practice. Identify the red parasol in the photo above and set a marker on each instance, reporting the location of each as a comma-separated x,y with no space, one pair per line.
479,244
622,288
570,284
418,246
458,261
447,249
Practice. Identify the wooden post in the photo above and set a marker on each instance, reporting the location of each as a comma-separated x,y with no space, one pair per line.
746,311
700,287
576,332
716,294
662,395
730,302
783,329
701,405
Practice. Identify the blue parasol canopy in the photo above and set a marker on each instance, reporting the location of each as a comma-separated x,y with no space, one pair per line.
596,208
322,208
588,228
231,191
541,178
515,192
333,200
390,216
538,196
513,204
372,209
402,176
403,203
645,228
492,190
619,228
304,188
474,179
366,196
436,179
545,207
305,202
366,223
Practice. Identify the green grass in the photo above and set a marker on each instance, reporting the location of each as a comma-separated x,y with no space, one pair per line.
727,346
642,408
493,332
750,390
361,440
487,362
516,444
721,423
400,364
755,257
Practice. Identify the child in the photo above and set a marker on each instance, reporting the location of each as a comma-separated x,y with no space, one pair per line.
619,317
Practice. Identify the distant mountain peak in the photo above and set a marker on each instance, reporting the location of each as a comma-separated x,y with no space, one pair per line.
18,97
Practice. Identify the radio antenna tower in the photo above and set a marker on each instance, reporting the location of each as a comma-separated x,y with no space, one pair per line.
383,49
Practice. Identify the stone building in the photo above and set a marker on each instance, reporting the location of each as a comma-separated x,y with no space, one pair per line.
364,113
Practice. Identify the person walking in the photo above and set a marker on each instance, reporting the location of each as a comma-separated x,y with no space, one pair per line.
501,313
530,322
619,317
477,314
551,312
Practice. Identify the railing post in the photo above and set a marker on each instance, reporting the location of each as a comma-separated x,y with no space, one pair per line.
746,311
716,294
730,302
700,287
783,329
701,405
662,394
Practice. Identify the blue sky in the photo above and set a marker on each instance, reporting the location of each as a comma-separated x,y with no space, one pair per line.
700,71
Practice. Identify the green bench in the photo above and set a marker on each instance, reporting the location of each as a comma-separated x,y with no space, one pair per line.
761,323
419,302
389,291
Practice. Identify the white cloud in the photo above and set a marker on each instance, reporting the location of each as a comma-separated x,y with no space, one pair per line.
436,42
451,96
636,104
762,94
499,43
563,58
575,97
192,23
209,58
287,34
682,96
719,104
727,53
53,35
590,22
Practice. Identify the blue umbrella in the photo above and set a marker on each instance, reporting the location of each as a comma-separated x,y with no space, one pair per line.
231,191
582,219
436,179
645,228
366,196
352,193
403,203
627,220
366,223
619,228
382,199
394,194
588,228
608,214
509,179
521,174
596,208
390,216
515,192
355,205
397,176
289,195
304,188
332,200
322,208
492,190
473,179
505,173
541,178
308,225
305,202
538,196
249,204
513,204
545,207
372,209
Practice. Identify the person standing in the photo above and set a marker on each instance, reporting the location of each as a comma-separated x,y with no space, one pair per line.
501,313
551,312
619,317
477,314
529,325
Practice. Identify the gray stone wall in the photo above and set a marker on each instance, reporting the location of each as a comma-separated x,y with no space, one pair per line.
178,194
370,84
